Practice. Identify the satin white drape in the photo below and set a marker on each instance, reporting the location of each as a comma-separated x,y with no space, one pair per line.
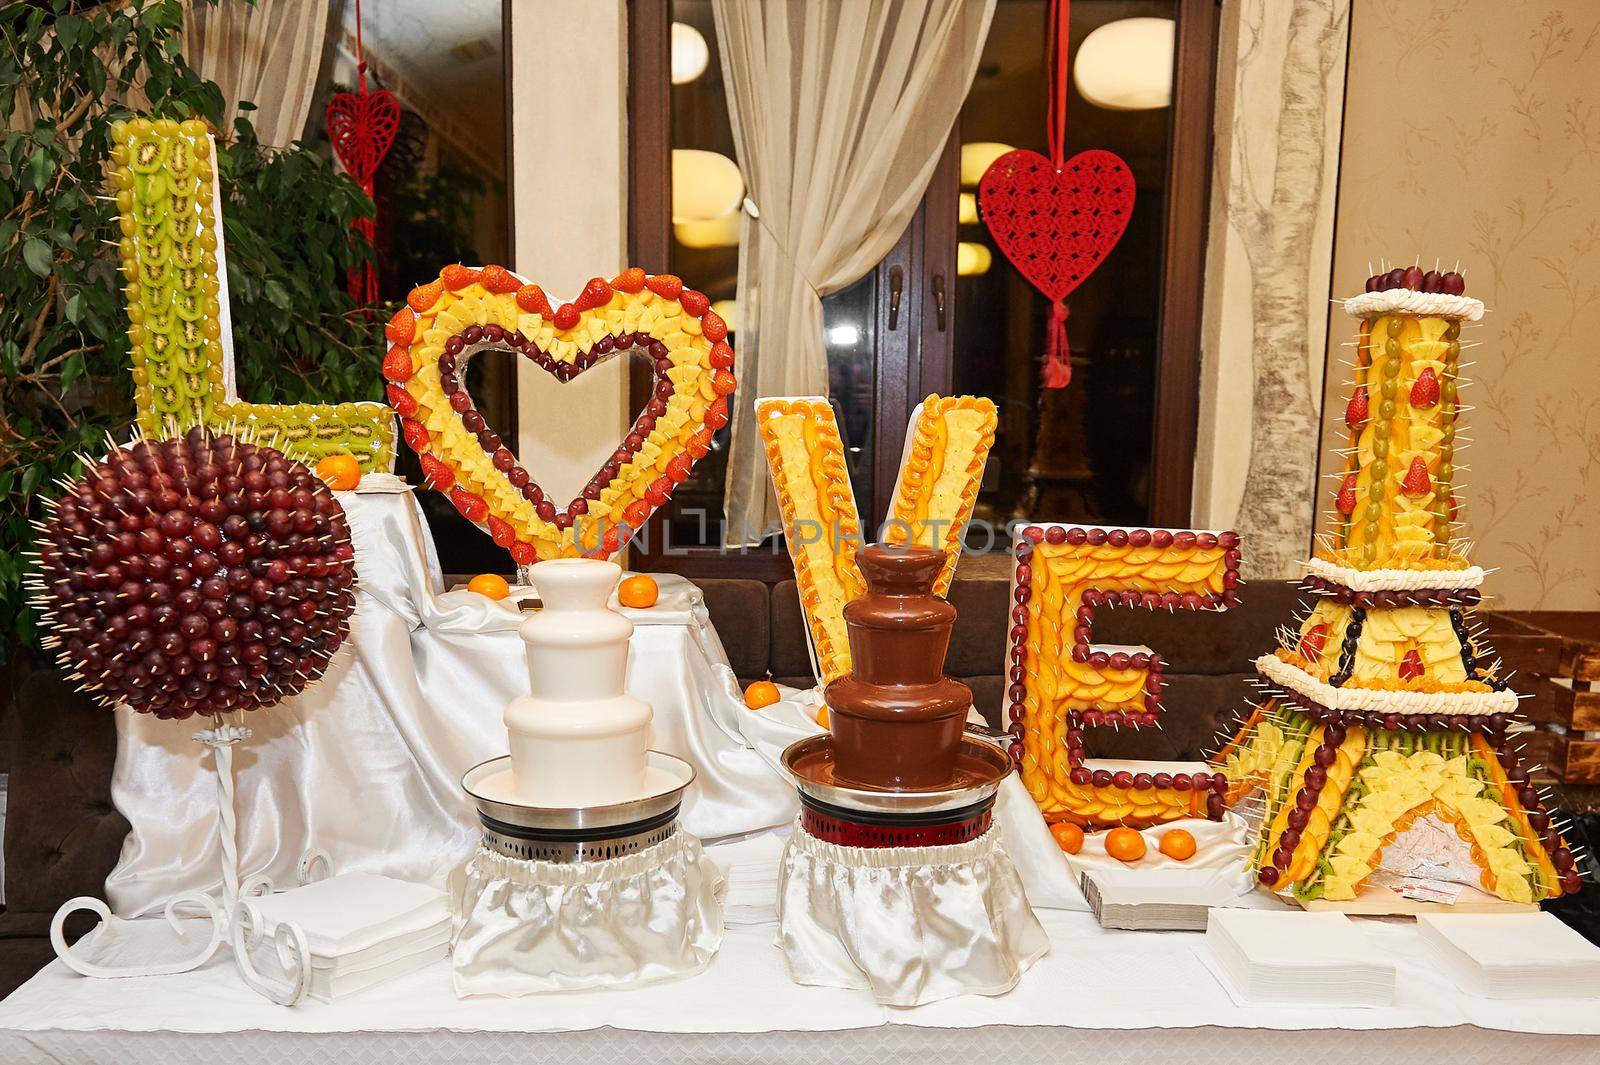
911,924
839,112
523,927
267,53
367,764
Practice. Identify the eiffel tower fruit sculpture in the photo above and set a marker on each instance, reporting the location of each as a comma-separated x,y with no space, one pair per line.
1384,709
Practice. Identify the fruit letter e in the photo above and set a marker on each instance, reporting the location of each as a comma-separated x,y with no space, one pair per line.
1060,682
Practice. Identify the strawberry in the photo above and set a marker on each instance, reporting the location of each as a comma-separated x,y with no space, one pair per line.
397,364
717,413
414,434
1454,508
403,402
667,286
436,474
402,327
1416,481
523,554
1346,499
612,541
498,279
630,280
1425,390
471,507
659,492
696,303
678,469
700,443
636,514
455,276
1411,666
565,317
501,532
722,382
424,296
713,327
595,294
531,298
1312,643
721,356
1355,415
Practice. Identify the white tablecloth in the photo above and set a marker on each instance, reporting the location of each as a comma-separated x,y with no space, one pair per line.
1109,997
367,765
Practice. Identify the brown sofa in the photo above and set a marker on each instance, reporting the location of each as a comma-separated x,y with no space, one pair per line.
62,835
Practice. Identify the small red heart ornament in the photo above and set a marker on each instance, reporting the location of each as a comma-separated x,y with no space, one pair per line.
1057,225
362,127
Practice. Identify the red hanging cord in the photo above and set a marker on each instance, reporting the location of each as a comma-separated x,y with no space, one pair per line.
1057,369
362,127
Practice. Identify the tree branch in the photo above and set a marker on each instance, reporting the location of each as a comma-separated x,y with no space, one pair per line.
38,323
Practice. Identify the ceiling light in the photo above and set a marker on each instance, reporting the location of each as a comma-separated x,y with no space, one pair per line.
689,53
709,232
973,258
705,185
843,336
967,213
1127,65
976,157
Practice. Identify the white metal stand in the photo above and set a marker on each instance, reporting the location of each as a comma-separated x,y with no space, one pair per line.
237,920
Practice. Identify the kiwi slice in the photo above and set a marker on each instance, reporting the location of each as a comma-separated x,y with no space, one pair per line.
148,155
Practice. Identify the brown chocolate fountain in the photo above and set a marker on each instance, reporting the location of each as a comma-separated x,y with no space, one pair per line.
897,720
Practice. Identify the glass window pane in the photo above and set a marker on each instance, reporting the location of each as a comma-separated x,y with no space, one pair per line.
705,253
1083,452
440,191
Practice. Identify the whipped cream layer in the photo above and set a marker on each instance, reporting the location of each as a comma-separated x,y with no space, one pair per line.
1409,301
1293,678
1395,580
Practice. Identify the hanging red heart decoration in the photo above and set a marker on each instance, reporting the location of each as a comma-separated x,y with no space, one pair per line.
362,127
1056,224
1056,219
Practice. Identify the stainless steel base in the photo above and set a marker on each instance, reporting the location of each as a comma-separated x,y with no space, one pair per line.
535,850
581,833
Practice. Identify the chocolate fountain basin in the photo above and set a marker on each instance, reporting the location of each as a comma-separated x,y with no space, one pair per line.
980,767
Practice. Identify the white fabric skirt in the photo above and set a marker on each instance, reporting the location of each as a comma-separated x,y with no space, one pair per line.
911,924
523,927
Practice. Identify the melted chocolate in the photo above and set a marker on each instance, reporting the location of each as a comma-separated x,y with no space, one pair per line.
897,720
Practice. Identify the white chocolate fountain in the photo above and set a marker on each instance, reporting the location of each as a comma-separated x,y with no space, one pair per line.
579,740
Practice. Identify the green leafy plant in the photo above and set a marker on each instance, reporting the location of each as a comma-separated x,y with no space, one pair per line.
68,70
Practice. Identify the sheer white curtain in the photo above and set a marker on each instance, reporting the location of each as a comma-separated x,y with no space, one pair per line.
839,110
267,53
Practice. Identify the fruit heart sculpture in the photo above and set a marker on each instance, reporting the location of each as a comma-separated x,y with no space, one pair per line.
1062,684
467,310
1384,710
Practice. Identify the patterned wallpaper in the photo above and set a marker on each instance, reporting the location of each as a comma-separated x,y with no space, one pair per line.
1472,132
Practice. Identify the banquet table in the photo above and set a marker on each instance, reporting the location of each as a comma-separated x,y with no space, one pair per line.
1098,996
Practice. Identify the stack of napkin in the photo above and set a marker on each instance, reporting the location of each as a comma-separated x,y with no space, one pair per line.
362,929
1315,959
1522,955
1143,900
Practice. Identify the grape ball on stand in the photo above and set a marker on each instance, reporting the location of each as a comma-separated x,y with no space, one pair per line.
198,575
